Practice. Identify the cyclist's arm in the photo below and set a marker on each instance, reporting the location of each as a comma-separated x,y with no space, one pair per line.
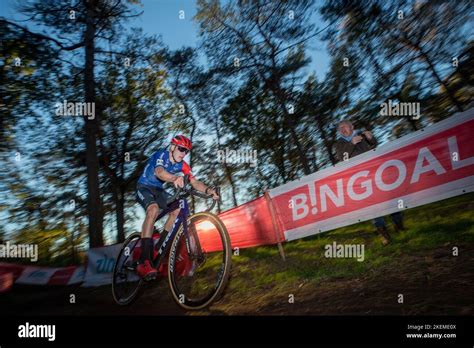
162,174
198,185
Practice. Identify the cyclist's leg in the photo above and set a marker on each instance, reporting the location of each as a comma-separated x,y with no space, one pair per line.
162,198
147,199
171,219
168,226
152,212
147,231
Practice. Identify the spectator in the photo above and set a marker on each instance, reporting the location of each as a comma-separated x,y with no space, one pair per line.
352,143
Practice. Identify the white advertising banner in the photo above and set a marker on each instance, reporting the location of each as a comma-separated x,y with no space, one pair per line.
100,265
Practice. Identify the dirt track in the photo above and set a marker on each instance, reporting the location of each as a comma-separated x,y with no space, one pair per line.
434,283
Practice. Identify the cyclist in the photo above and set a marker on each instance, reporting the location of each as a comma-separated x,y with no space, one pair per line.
162,167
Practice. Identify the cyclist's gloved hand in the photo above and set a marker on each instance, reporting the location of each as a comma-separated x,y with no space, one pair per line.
179,182
211,191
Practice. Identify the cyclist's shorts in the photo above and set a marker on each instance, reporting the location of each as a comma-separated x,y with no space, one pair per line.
147,195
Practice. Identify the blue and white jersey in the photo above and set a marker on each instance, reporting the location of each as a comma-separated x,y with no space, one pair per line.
161,158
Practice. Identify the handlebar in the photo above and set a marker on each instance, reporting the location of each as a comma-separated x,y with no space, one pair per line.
186,191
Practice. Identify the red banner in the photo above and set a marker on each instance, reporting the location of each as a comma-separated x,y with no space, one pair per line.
423,167
248,225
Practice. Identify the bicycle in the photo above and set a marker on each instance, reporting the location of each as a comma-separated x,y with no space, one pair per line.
210,256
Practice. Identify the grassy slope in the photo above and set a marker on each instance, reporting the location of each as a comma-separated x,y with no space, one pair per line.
262,282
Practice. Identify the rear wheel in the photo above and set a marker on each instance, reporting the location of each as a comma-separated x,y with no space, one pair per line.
126,283
198,274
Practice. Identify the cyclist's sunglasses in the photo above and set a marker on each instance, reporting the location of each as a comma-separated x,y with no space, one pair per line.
183,149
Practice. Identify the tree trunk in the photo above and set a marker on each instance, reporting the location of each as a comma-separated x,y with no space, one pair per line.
326,141
278,93
120,214
94,203
229,177
193,129
227,172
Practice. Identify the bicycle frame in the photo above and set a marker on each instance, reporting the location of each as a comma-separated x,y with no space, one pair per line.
181,219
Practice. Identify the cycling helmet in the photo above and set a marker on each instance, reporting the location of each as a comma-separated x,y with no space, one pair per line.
181,140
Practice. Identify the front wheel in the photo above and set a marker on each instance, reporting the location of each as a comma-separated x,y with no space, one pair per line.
126,283
199,261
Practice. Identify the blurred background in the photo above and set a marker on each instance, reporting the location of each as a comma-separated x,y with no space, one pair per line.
273,77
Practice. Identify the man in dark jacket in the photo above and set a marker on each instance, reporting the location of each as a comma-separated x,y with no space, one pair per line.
352,143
